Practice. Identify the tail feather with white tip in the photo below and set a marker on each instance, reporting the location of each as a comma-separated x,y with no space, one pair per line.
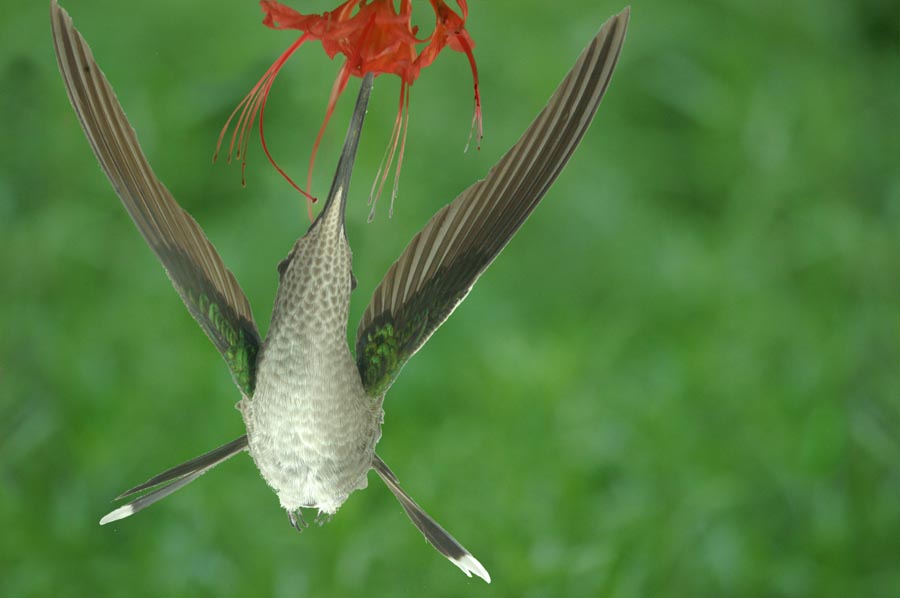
174,479
437,536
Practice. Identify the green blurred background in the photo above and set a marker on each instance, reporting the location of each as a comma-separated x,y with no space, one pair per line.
680,379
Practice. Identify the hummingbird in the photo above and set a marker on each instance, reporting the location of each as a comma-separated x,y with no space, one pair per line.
312,410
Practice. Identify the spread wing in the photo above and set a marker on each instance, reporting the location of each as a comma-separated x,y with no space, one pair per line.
442,262
208,288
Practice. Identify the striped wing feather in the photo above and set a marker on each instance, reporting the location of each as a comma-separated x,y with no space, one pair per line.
208,288
442,262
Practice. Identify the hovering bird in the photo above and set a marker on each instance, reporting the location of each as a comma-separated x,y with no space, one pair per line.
312,412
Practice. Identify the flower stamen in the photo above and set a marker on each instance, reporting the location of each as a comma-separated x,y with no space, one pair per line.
374,38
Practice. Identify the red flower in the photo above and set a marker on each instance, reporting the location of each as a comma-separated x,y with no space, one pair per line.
374,38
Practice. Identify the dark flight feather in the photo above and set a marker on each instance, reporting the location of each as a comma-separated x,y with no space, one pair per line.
439,266
207,287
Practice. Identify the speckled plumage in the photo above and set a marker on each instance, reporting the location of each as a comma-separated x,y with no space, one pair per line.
313,413
311,426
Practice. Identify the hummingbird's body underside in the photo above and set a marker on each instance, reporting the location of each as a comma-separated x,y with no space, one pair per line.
312,411
311,426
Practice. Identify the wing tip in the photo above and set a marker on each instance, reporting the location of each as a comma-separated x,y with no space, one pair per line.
625,16
617,25
618,20
58,11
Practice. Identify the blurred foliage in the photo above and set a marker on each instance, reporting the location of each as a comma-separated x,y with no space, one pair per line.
681,378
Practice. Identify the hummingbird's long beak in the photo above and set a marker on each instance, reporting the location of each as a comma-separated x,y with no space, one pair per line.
341,182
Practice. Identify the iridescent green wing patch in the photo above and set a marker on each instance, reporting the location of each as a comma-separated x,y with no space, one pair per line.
391,338
220,317
235,338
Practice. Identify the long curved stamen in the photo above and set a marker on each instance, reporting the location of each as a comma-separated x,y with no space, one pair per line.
245,103
244,106
388,158
400,156
372,197
310,199
245,125
255,102
476,118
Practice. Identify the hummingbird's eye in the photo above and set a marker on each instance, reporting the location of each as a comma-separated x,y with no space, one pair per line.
283,265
